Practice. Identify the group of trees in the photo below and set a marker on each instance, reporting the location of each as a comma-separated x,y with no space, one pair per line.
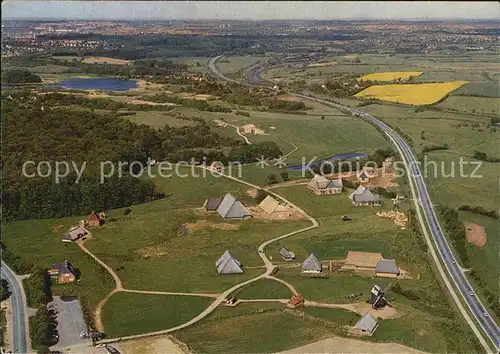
484,157
19,76
456,231
43,329
138,69
479,210
78,137
200,105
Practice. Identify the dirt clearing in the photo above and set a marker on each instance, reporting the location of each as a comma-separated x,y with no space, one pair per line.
382,177
290,98
152,345
344,345
102,60
476,234
319,65
282,213
200,97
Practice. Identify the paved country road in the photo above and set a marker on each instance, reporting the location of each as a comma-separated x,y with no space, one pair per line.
19,329
422,200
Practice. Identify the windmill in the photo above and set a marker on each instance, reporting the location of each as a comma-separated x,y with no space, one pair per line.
377,296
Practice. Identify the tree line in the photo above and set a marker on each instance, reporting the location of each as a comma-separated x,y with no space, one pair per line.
63,134
19,76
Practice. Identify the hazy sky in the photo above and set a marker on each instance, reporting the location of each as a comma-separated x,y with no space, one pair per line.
247,10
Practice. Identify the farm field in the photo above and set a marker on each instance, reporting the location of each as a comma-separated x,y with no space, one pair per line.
456,191
482,89
128,313
414,94
390,76
471,104
265,332
463,137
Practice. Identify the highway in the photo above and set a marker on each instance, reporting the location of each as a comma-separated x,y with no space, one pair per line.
19,330
422,199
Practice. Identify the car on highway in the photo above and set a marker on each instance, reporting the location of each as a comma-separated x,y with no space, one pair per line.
471,293
486,314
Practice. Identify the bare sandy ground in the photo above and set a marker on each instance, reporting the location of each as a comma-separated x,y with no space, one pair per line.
102,60
476,234
152,345
345,345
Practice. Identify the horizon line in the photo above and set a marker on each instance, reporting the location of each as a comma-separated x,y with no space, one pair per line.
253,20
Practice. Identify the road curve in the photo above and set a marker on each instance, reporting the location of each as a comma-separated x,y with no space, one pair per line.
19,327
422,199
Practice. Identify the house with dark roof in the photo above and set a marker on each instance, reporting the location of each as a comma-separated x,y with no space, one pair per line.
387,268
366,325
297,300
64,273
312,265
212,203
94,220
286,254
230,208
364,197
320,185
227,264
74,234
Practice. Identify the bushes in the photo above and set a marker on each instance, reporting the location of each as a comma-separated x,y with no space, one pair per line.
19,76
479,210
37,288
43,329
484,157
384,192
408,293
434,148
456,232
414,227
261,195
242,113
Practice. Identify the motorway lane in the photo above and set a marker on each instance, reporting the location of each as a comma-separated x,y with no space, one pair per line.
478,309
19,329
461,282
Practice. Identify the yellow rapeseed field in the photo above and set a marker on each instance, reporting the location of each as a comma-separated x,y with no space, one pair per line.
414,94
391,76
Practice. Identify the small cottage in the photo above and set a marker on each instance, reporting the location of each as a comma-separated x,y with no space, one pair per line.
212,203
387,268
230,208
94,220
297,300
364,197
312,265
320,185
366,325
74,234
227,264
286,254
64,273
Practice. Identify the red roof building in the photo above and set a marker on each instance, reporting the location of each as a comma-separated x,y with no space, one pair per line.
296,301
94,220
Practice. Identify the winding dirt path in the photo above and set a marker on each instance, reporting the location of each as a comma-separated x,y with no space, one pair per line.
219,298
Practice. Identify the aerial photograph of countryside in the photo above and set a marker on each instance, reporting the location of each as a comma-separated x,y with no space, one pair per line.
232,177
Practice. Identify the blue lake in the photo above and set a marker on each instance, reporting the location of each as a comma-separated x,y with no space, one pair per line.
98,84
344,156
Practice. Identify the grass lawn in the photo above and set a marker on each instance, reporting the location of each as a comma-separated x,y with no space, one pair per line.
158,119
338,316
485,260
19,237
461,136
128,313
264,289
457,190
471,104
270,331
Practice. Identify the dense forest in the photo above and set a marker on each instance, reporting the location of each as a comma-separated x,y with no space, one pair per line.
54,133
19,76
